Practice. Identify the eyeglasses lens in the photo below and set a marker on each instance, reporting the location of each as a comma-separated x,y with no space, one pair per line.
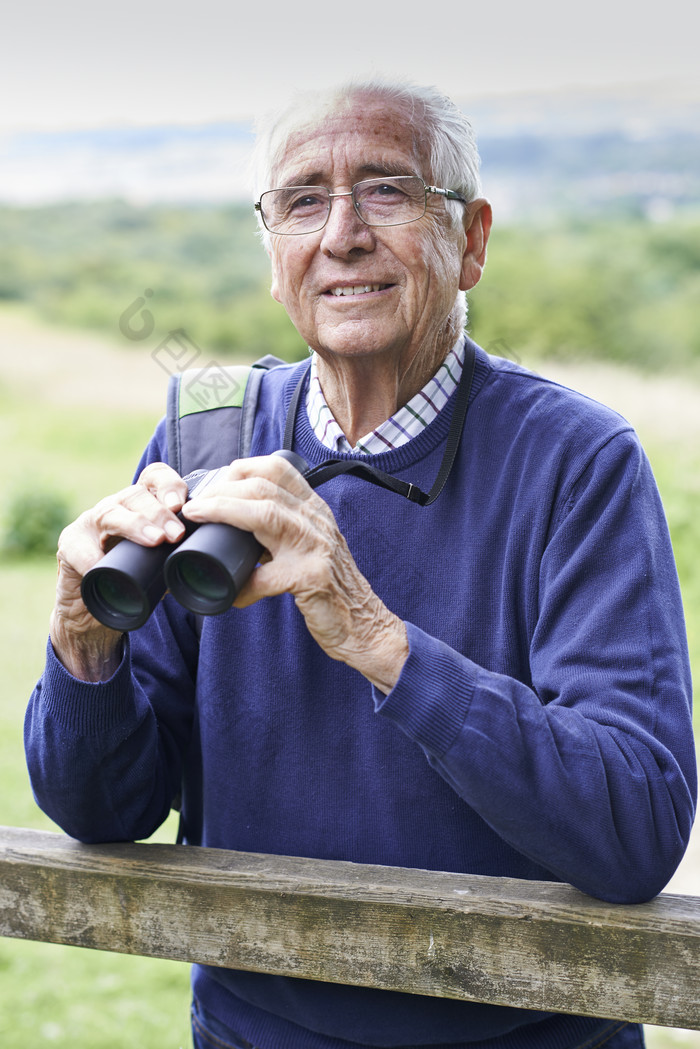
299,209
390,201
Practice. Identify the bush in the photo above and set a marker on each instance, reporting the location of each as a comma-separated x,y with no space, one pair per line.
34,523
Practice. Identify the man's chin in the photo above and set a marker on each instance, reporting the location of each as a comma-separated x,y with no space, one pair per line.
357,339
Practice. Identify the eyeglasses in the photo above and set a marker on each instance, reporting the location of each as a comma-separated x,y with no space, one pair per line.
377,201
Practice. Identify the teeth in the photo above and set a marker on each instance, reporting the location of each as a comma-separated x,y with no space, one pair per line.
356,289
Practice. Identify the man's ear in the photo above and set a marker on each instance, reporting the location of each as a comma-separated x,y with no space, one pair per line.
478,218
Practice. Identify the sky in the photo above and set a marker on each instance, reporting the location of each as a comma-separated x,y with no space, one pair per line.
85,64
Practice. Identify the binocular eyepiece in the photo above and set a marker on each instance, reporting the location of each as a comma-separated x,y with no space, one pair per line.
204,571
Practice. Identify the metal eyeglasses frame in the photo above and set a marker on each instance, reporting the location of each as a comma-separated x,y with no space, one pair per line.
449,194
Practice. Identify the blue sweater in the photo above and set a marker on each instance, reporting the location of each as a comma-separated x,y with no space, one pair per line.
540,728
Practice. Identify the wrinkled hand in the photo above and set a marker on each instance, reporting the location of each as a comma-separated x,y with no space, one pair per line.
307,557
145,512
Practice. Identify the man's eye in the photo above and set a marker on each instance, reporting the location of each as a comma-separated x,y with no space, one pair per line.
382,194
308,200
386,189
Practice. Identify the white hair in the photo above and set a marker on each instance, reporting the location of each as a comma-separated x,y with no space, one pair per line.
443,137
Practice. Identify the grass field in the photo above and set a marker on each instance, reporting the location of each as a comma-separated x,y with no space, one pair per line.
76,999
50,995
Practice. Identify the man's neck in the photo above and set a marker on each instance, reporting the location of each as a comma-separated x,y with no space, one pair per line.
362,393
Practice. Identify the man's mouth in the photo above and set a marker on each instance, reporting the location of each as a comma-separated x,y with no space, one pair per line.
356,289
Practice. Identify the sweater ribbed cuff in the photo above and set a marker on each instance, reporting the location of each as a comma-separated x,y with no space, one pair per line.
86,707
432,696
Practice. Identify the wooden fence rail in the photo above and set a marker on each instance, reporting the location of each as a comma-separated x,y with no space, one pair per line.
535,945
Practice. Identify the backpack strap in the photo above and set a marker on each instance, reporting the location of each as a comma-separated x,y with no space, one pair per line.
211,413
210,417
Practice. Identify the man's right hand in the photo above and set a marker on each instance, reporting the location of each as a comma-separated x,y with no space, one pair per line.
146,513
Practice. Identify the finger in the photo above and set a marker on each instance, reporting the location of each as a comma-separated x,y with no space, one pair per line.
143,520
254,489
254,588
269,579
268,481
165,484
139,512
275,468
278,522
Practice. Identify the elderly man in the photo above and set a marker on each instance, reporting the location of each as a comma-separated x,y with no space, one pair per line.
496,682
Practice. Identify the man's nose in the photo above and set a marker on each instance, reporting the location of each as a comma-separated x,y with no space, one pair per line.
345,231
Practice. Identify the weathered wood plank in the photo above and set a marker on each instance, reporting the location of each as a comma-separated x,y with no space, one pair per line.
535,945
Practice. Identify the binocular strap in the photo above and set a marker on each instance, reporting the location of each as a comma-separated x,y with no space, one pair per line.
329,468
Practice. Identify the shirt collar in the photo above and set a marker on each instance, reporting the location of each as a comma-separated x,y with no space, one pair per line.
406,423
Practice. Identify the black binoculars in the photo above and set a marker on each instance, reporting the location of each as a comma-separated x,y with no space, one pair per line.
204,571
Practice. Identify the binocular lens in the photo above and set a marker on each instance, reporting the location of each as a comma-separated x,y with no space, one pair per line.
203,578
208,569
122,589
115,599
118,594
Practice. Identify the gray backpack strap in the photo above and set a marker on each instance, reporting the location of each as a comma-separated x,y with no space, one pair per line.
211,413
209,423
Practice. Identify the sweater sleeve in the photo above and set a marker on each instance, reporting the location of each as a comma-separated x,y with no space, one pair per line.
588,768
105,761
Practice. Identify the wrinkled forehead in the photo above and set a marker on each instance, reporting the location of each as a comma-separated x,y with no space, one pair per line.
363,135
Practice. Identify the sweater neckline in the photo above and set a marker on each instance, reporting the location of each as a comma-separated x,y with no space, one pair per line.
413,451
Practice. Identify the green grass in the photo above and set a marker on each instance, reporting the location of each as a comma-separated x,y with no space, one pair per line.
677,472
72,998
81,453
53,995
76,999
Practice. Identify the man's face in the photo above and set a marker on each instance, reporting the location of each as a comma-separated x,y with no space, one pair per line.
405,278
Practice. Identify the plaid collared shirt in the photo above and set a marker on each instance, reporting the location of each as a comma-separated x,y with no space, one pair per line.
401,427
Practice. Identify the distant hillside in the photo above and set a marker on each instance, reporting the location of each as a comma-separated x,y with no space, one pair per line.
636,150
172,163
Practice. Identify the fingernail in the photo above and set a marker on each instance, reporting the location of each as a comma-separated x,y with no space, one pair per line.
174,529
172,499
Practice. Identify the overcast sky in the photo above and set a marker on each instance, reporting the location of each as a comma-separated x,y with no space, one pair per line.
85,63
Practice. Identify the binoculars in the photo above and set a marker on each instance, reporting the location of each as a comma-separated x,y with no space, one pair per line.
204,571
